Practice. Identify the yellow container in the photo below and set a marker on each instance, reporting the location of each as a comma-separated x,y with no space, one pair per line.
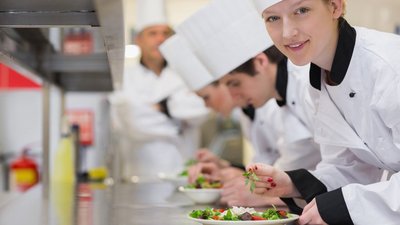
63,170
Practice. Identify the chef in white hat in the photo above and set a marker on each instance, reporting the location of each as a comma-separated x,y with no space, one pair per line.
229,38
180,56
162,120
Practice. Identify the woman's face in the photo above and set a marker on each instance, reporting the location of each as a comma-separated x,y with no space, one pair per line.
217,97
305,30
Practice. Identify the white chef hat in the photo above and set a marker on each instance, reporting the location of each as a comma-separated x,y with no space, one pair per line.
180,56
150,13
261,5
225,34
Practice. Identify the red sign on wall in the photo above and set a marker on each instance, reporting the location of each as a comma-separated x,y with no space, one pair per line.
11,80
83,118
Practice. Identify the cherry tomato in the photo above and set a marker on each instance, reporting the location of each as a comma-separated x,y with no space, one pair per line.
215,218
253,217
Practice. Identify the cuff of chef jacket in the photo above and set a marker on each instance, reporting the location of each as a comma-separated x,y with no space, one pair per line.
293,207
333,209
164,107
307,185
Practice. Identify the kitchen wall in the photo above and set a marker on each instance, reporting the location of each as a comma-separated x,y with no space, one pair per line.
21,121
177,11
381,15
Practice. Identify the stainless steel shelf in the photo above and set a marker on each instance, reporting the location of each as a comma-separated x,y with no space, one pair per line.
24,43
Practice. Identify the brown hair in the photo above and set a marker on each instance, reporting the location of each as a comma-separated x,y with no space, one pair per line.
273,54
215,83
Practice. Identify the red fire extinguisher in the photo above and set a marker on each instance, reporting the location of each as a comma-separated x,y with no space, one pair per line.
23,172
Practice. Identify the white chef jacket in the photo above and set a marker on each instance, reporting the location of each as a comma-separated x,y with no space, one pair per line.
299,150
154,141
283,136
357,123
264,131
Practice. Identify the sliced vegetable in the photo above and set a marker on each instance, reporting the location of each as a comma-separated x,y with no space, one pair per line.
274,214
246,216
254,217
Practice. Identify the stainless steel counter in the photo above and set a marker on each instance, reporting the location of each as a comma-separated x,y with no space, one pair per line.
122,204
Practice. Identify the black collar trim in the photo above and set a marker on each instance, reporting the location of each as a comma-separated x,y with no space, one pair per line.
282,81
250,112
342,58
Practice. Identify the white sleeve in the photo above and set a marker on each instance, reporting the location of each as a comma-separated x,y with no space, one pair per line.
186,106
388,107
266,133
303,153
139,120
339,167
376,203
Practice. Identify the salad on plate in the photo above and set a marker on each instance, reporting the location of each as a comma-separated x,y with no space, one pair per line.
202,183
242,215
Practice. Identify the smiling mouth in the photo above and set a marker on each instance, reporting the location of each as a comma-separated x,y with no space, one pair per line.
296,46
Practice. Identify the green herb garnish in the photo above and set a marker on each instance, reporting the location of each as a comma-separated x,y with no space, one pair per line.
190,162
275,214
251,178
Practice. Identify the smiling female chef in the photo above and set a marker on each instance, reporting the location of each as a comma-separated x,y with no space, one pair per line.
355,74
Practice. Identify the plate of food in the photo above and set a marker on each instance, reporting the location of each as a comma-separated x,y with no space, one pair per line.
203,191
242,216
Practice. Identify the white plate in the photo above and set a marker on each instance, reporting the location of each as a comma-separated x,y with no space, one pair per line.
249,222
202,196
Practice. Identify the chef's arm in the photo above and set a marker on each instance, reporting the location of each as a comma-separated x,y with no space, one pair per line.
144,121
362,204
187,106
338,168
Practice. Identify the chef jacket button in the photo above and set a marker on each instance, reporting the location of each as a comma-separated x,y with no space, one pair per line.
293,102
352,94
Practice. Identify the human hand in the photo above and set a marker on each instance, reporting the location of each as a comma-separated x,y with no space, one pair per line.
156,107
271,181
311,215
205,155
209,170
230,173
235,193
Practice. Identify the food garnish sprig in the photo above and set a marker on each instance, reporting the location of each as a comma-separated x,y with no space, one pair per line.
251,178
